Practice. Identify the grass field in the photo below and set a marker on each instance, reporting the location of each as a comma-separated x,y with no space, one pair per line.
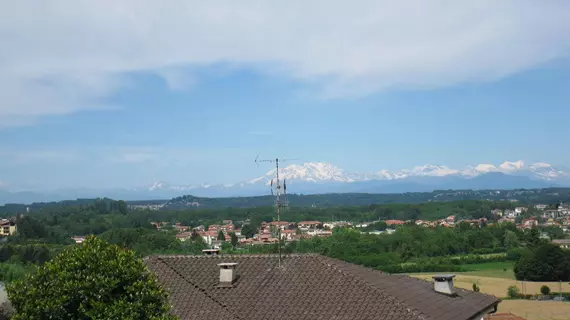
490,269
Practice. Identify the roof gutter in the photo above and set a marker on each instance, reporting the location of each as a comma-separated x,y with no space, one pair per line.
481,315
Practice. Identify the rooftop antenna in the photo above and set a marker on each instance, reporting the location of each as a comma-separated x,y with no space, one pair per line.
280,202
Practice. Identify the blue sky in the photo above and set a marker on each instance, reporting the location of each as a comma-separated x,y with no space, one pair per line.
191,94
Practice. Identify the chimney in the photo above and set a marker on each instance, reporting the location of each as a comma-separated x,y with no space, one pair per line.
443,283
227,274
211,252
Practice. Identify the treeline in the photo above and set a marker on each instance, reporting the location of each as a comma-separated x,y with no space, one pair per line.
416,249
523,196
58,224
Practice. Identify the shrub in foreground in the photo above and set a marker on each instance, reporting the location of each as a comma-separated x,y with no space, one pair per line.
94,280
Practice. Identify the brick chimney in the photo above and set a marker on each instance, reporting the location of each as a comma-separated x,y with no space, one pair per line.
443,283
228,274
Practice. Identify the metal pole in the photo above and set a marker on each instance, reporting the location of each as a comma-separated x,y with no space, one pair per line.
278,212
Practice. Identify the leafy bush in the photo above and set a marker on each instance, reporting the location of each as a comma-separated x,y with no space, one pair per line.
545,290
94,280
14,271
513,292
476,287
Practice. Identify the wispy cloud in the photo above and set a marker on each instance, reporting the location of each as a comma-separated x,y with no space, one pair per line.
76,53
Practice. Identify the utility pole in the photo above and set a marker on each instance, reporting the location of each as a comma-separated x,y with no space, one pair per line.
279,203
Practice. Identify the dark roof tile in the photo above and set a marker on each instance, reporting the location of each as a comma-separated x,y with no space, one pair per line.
305,287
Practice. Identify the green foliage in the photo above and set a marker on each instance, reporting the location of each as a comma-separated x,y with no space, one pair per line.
545,290
95,280
234,239
377,226
516,253
248,230
533,237
513,292
546,262
511,240
476,287
221,236
14,271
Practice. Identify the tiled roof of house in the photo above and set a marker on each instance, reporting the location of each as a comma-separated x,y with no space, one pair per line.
307,286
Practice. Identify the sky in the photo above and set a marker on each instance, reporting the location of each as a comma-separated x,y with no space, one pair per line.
124,93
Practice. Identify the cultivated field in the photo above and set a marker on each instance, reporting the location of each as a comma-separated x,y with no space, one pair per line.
498,286
492,279
536,310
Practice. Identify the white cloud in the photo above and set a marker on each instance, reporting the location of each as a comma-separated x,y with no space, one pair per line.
62,56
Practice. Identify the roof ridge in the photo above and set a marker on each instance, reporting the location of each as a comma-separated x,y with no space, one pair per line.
245,255
204,291
338,266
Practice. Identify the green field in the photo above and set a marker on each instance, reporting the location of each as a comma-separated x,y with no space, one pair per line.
490,269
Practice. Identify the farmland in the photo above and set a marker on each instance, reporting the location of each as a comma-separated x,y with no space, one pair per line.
536,310
492,279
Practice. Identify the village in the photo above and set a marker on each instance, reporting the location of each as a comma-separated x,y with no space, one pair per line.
269,232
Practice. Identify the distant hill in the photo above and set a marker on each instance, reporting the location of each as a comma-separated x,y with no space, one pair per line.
189,202
324,178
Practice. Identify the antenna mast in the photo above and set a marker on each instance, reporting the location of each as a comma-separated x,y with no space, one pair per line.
279,203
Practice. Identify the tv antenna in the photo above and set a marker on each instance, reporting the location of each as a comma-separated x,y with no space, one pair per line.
280,202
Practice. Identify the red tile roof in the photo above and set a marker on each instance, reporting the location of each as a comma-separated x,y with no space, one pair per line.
392,222
306,287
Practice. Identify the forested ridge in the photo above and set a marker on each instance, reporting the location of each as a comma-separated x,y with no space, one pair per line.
525,196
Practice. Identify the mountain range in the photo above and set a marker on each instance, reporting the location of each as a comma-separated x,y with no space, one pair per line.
319,177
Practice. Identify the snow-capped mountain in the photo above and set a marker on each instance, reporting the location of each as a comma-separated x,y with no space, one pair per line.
325,173
309,172
319,177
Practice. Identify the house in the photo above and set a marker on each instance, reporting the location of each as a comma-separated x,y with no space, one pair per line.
184,236
497,212
541,206
288,235
520,210
180,228
308,224
307,286
394,222
551,214
510,213
529,223
279,224
563,243
7,227
78,239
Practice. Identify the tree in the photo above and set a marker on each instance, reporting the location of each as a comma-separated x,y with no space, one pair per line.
513,292
533,237
511,240
547,262
248,230
221,236
122,206
476,287
234,239
545,290
94,280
